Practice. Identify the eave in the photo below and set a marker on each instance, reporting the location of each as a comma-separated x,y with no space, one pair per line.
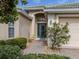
67,5
61,6
70,10
34,8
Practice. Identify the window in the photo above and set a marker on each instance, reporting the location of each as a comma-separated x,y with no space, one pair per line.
10,30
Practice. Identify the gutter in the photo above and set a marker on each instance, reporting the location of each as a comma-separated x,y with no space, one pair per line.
69,10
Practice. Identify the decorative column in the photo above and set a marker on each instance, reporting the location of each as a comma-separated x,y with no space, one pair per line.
33,27
51,20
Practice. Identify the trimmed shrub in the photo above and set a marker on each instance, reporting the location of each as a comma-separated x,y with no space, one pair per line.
10,52
21,42
44,56
2,42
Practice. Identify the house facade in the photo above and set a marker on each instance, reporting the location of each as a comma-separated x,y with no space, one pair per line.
34,23
20,28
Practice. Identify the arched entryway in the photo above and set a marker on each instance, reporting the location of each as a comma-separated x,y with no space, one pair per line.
41,25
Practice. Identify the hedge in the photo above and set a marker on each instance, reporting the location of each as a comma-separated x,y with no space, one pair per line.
21,42
14,52
44,56
10,52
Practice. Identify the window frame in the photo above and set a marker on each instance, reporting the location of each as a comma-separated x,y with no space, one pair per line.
10,30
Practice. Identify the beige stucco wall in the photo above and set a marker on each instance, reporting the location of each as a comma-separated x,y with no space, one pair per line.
16,28
3,31
24,27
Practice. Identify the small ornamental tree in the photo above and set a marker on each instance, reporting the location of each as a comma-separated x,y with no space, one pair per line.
58,34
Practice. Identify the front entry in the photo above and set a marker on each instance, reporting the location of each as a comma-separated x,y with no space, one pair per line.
41,30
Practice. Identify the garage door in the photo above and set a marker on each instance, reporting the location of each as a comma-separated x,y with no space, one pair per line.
74,30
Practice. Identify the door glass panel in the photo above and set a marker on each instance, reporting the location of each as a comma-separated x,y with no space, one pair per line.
41,30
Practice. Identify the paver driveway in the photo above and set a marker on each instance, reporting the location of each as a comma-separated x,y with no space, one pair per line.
38,47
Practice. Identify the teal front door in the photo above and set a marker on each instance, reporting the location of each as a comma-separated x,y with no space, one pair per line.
41,30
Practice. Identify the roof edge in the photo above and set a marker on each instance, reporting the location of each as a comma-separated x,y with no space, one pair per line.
51,6
24,14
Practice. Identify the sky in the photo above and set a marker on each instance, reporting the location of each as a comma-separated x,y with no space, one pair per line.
46,2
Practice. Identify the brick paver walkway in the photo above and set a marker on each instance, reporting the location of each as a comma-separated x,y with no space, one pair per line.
38,47
35,47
